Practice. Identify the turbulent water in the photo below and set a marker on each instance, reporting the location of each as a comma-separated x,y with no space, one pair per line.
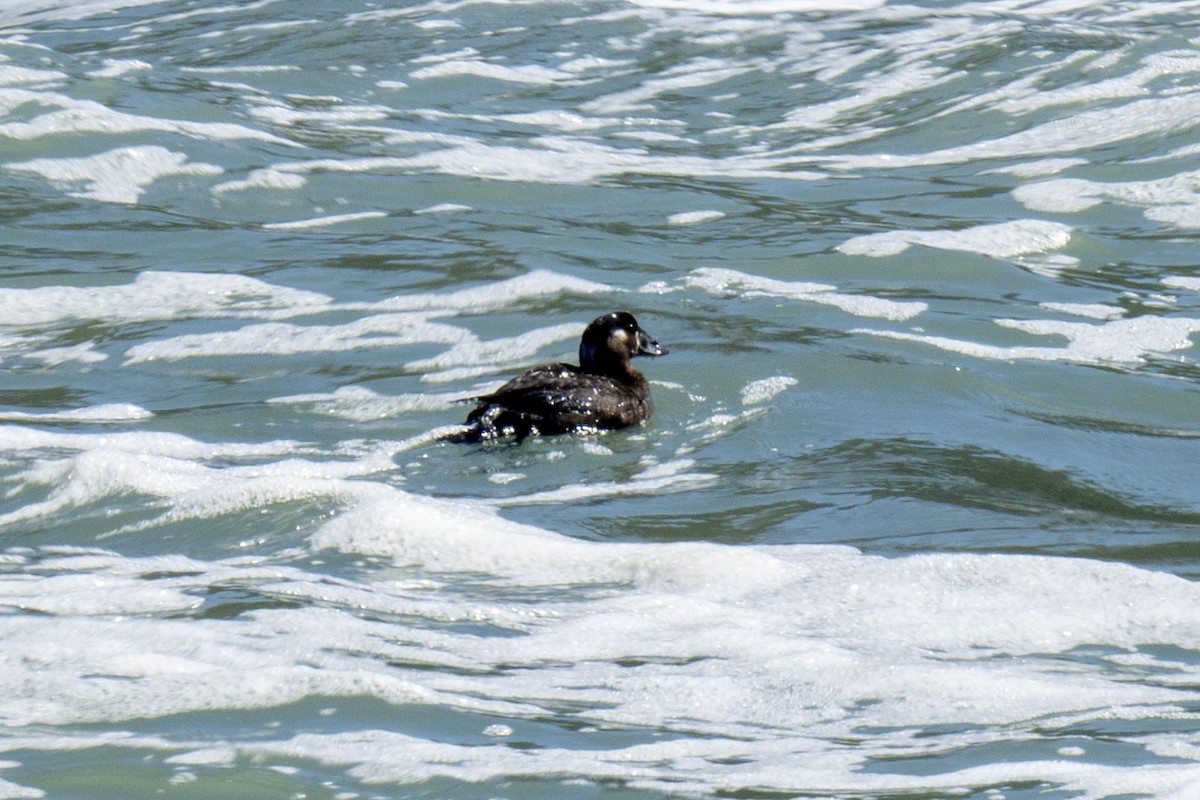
917,514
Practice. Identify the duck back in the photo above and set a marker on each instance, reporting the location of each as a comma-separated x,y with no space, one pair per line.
604,393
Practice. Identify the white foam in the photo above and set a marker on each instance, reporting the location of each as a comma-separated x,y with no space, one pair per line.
560,120
741,7
1182,282
694,217
1131,84
263,179
361,404
748,659
1063,195
117,176
233,69
549,159
497,353
999,240
676,475
501,294
110,412
88,116
16,76
282,338
116,67
691,75
87,468
1043,166
1120,341
443,208
530,74
1173,200
879,88
278,113
323,222
84,353
765,390
155,295
1090,310
414,325
1086,131
728,281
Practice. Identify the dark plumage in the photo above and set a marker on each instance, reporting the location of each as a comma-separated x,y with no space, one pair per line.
602,393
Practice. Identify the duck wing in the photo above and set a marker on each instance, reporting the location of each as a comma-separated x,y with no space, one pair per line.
557,398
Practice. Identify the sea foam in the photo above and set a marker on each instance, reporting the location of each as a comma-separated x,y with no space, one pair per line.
727,281
1000,240
117,176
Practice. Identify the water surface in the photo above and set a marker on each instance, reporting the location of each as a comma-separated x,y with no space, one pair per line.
917,512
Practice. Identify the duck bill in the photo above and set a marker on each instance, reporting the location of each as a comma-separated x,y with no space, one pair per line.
649,347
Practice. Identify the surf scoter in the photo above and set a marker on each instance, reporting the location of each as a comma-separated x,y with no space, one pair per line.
604,392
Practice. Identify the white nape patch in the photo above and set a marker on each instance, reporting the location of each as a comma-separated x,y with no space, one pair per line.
111,412
1121,341
694,217
323,222
727,281
1000,240
117,176
766,389
263,179
116,67
156,296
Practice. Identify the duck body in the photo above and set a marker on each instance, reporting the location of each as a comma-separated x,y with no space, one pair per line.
604,392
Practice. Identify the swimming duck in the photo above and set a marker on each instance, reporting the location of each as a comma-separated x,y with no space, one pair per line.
604,392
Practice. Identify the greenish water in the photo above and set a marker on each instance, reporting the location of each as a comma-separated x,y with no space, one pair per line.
917,512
